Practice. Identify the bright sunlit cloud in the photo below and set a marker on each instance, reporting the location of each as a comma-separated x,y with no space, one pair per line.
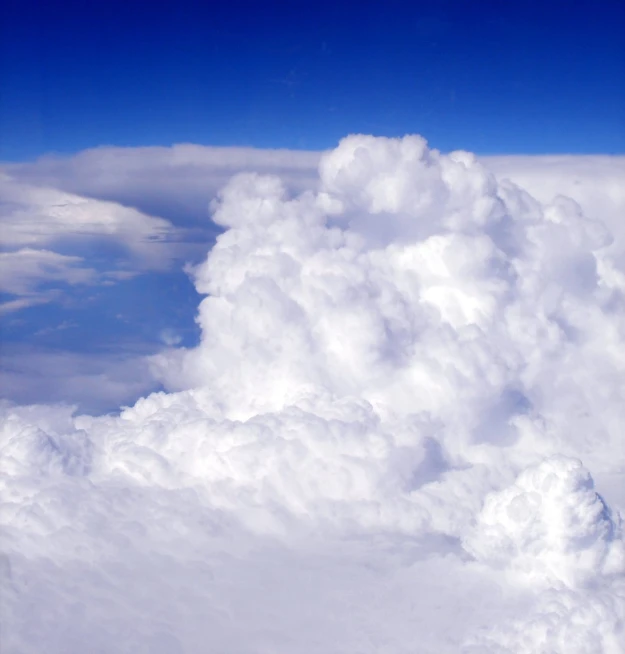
407,386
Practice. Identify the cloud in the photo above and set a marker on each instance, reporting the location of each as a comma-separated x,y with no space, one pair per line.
36,215
409,375
96,382
113,202
46,234
552,531
24,272
177,183
22,303
593,181
549,527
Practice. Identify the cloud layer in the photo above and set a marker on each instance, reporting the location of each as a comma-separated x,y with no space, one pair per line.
386,439
45,231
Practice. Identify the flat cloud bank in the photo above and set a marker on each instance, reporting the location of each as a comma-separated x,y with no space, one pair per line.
410,371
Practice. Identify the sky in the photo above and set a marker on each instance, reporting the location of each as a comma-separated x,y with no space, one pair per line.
312,327
297,75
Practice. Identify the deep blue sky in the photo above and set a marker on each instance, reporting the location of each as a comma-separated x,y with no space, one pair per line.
492,77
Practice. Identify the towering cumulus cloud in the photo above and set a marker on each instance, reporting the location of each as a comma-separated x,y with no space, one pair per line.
383,443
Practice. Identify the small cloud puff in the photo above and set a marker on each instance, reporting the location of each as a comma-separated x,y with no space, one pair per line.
550,527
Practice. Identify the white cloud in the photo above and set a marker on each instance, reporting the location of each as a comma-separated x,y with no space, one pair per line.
97,381
594,181
110,201
552,531
24,272
170,337
34,215
43,228
23,302
177,182
374,447
181,180
550,527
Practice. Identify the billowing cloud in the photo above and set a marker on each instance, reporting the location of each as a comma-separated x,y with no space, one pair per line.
550,526
408,385
137,209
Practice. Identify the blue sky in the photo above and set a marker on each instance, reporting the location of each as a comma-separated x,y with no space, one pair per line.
491,77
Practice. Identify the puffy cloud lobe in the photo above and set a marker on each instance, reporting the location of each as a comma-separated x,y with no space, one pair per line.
550,526
596,185
402,177
551,530
408,358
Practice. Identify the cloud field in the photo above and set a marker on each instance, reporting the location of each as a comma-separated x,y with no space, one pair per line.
400,432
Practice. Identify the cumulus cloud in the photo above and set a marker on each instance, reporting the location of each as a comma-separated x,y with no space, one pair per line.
552,531
593,181
550,526
386,439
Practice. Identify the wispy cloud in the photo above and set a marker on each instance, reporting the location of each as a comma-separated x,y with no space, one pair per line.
47,235
23,271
